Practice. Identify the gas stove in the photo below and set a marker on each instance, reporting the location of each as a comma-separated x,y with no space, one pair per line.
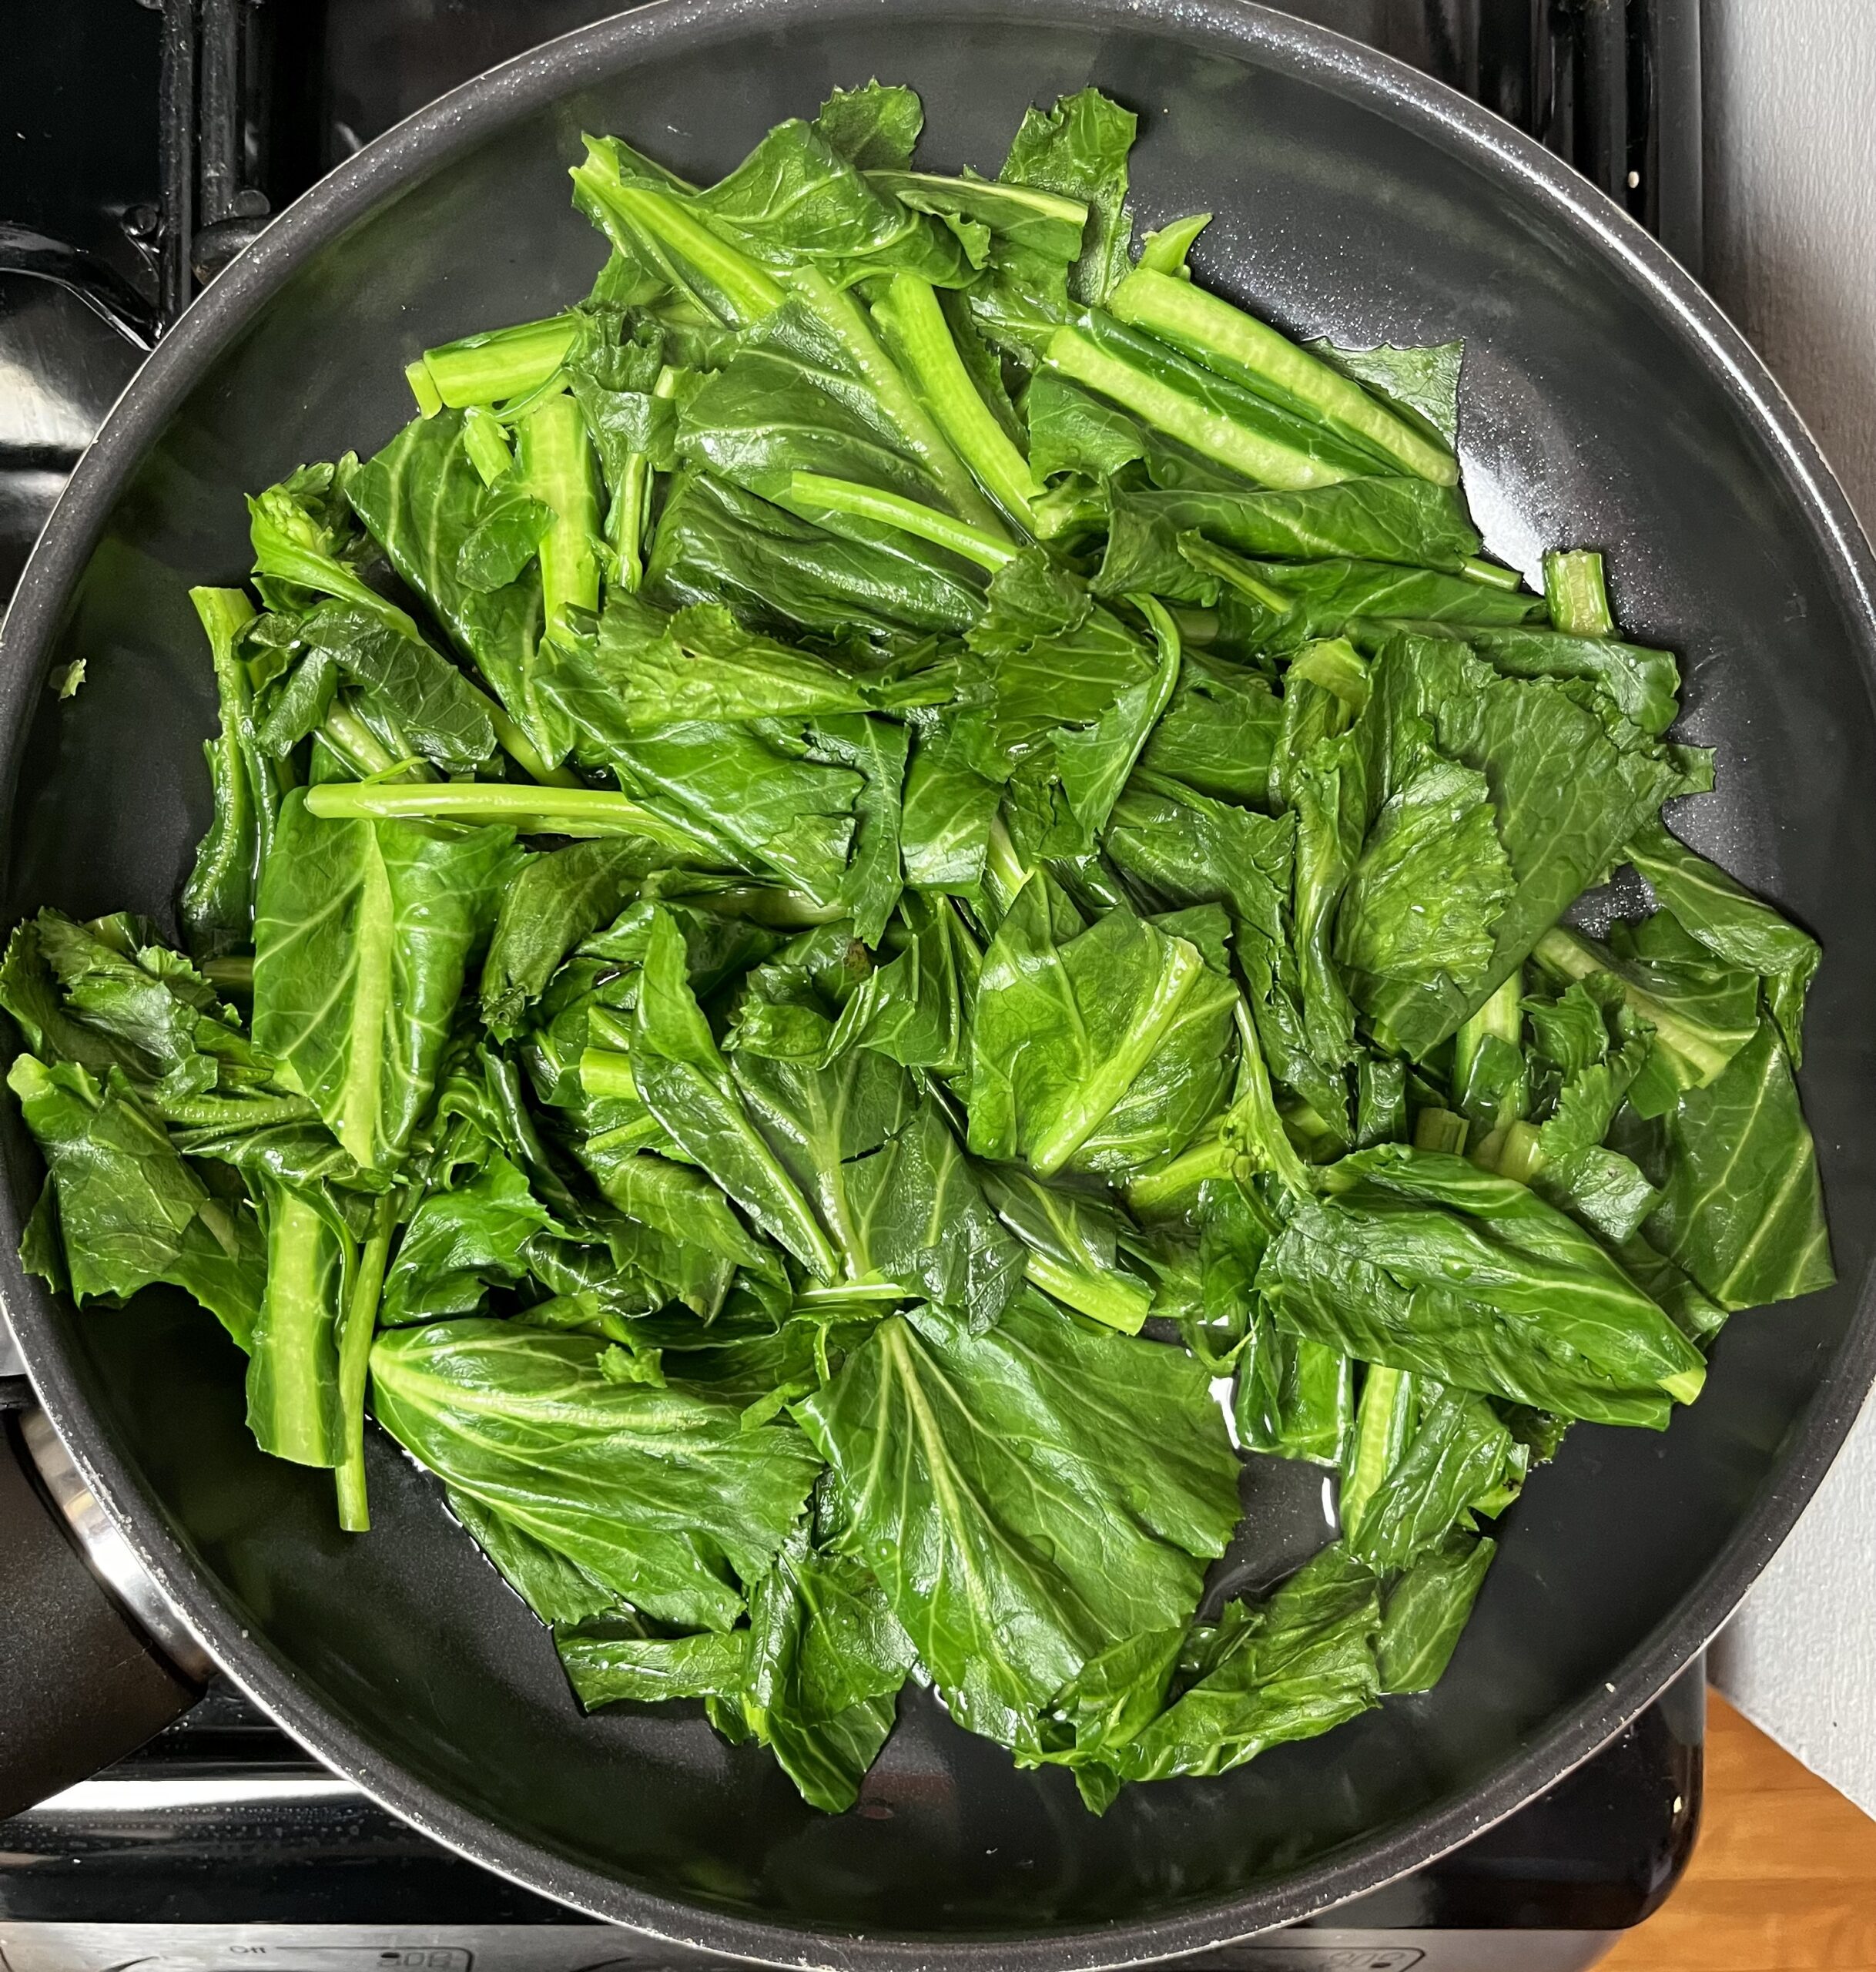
146,144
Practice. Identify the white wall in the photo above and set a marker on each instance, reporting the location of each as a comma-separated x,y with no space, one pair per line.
1790,154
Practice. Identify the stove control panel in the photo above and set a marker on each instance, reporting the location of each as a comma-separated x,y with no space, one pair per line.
579,1947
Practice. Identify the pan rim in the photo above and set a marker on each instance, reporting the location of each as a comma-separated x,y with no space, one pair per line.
429,141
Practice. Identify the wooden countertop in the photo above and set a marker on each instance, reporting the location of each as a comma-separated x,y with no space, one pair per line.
1783,1877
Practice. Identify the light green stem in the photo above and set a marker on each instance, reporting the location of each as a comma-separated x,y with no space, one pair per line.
1490,573
1576,959
844,316
1578,595
1114,1299
503,363
607,1071
1440,1129
1237,343
361,749
855,1291
542,810
920,338
1521,1155
894,510
487,444
361,1322
1380,1437
554,464
750,294
1268,460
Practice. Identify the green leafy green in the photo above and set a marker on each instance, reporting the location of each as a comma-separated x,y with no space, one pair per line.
658,1494
1025,1498
130,1212
363,933
1049,946
1420,1261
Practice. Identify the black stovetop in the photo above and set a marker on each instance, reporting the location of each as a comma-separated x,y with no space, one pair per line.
144,146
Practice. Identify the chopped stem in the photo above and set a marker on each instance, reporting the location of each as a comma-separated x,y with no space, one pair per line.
1576,592
606,1071
541,810
848,496
417,374
554,465
1380,1437
230,975
1268,460
1234,569
921,339
361,1322
1239,344
1491,573
1114,1299
484,369
1210,1157
1164,252
487,444
1440,1129
775,904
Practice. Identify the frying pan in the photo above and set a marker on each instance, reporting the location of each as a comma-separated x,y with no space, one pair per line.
1605,403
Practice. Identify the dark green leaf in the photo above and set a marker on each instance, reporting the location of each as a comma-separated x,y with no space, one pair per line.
130,1211
1425,1611
346,990
462,1240
420,497
1420,1261
557,899
716,543
1742,1210
1736,928
659,1495
1302,1664
1027,1497
874,128
1069,1020
1080,150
